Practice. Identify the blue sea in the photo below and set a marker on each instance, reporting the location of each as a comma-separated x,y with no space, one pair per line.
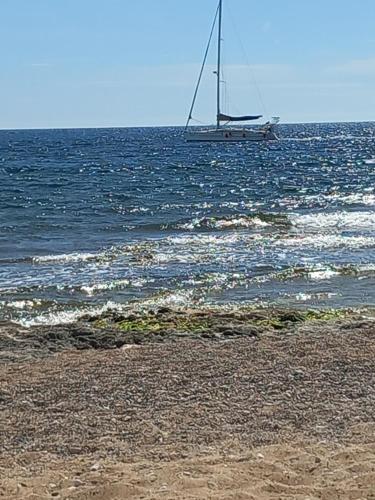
114,219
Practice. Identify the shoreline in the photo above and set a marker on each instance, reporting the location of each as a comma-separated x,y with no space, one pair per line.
257,404
114,330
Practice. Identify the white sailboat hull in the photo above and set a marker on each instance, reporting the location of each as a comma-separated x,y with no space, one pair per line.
230,135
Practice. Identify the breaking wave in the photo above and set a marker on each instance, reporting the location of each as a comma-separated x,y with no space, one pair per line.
327,241
94,288
335,220
318,272
70,315
65,258
235,222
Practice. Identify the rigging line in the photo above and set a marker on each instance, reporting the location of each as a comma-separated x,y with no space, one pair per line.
196,120
251,71
202,68
222,77
225,94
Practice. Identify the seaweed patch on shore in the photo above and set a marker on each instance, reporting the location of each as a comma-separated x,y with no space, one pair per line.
112,330
205,321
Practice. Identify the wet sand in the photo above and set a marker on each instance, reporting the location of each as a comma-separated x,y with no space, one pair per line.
260,405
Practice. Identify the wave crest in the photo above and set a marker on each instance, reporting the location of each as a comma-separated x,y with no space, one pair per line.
235,222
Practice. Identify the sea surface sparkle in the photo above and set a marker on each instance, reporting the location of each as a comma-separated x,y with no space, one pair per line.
101,219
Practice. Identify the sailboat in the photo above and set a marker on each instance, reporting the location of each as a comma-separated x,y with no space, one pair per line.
222,131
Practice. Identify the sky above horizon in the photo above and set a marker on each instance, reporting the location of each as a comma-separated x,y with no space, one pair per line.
89,63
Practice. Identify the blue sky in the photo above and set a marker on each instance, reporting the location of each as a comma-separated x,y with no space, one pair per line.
88,63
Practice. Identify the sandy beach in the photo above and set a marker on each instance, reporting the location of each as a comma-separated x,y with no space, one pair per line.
255,405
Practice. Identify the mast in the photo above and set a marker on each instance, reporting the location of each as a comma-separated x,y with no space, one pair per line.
218,66
202,68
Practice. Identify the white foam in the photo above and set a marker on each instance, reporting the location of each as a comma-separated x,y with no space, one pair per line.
179,298
352,198
316,272
23,304
235,204
322,274
304,297
99,287
70,316
365,199
240,222
303,139
68,257
205,240
225,223
112,285
366,268
327,241
338,220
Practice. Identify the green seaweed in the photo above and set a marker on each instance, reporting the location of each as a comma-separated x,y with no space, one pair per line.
153,324
200,322
325,315
101,323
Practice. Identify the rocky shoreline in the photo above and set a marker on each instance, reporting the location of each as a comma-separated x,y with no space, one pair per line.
138,405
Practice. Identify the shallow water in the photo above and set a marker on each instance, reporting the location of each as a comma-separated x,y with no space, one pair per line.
111,218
